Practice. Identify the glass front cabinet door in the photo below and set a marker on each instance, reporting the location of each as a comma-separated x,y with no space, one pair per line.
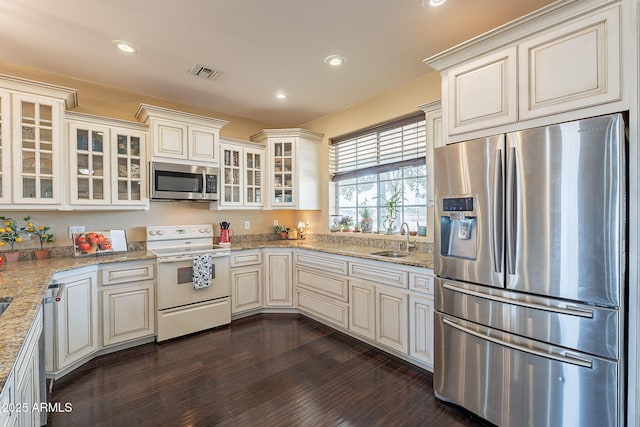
5,147
283,167
107,163
241,175
37,150
129,184
89,178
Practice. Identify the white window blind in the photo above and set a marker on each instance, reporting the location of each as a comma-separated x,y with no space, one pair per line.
384,148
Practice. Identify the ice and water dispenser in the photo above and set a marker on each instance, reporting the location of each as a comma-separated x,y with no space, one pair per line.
458,228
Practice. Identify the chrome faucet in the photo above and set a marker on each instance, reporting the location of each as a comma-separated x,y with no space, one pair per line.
409,245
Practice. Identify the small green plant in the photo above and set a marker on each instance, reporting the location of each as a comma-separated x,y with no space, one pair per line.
345,222
280,229
393,206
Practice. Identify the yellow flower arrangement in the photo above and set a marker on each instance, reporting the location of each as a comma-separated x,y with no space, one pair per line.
42,231
10,233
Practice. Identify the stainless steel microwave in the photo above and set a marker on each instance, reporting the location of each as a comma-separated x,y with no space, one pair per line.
171,181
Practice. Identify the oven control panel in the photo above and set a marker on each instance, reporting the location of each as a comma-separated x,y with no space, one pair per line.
178,232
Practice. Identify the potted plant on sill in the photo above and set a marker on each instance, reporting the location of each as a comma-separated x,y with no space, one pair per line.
282,230
345,223
366,221
42,231
393,206
10,234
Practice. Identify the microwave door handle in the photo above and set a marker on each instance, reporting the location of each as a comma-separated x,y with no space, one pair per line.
204,184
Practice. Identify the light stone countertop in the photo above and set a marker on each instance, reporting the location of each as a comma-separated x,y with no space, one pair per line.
26,283
414,259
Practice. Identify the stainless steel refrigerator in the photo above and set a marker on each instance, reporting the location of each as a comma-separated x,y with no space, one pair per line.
531,279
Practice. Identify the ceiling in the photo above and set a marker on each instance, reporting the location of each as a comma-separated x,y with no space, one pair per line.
259,47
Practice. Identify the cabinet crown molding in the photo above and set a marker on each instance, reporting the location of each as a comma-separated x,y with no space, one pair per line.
286,133
511,32
107,121
32,87
146,111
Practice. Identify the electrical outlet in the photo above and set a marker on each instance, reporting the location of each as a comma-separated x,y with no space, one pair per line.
75,229
275,222
247,225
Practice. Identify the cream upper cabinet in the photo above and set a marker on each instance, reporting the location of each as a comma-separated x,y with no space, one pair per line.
294,168
563,62
482,93
573,66
242,174
33,151
37,150
5,147
181,137
108,164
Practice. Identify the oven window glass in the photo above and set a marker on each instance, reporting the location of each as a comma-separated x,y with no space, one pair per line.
185,275
178,181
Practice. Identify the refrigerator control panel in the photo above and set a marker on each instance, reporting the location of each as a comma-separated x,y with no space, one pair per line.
458,204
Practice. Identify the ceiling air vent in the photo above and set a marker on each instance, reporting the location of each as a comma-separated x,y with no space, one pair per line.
204,72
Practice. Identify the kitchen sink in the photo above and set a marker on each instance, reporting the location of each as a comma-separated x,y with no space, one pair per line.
4,304
391,254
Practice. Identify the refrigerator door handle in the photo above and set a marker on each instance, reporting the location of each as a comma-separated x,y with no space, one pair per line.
572,311
512,210
498,209
567,358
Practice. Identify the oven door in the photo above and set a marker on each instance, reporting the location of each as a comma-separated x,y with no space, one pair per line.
175,281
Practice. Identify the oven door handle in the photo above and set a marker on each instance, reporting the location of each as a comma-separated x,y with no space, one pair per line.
179,258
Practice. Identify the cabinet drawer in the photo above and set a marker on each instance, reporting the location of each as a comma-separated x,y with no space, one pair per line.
332,311
124,272
321,262
379,273
323,283
421,282
243,258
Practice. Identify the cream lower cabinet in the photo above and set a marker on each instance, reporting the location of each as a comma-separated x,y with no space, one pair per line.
392,318
20,398
71,319
322,290
362,304
278,278
246,281
128,302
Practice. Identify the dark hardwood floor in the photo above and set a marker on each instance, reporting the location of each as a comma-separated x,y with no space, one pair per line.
267,370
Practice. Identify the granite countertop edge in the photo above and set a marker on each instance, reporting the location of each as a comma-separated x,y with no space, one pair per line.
25,283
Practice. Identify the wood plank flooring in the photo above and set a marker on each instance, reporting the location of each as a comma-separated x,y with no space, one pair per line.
266,370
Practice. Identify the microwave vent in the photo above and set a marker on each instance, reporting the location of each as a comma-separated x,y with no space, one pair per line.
204,72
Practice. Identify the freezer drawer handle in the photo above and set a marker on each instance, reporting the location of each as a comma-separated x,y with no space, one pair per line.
572,311
574,360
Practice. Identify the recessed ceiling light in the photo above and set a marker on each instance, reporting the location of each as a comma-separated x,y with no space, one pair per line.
125,47
335,60
426,3
281,95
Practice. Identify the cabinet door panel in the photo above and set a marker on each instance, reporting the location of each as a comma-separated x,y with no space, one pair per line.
246,289
571,67
77,319
392,319
202,143
279,280
482,93
127,312
170,139
362,309
421,329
